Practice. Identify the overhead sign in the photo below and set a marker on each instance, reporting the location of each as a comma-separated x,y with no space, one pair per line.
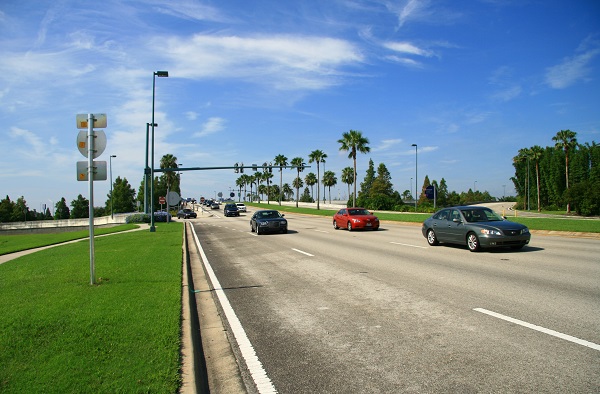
99,171
99,121
99,142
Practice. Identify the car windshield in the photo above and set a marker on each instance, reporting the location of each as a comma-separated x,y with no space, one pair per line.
269,215
480,215
358,212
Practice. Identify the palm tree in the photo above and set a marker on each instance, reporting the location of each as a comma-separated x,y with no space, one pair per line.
353,141
329,180
566,140
280,160
267,175
311,179
298,162
523,156
170,177
536,153
258,177
240,182
348,177
287,190
317,156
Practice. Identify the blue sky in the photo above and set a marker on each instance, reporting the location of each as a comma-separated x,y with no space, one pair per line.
469,82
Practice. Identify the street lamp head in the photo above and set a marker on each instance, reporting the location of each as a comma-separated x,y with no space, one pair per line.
113,155
152,124
161,73
415,145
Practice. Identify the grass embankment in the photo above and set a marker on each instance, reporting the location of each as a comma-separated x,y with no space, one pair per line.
60,334
547,224
15,243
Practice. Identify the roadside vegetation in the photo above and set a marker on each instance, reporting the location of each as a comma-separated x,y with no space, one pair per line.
60,334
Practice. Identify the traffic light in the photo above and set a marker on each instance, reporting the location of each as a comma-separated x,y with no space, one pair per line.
235,168
242,168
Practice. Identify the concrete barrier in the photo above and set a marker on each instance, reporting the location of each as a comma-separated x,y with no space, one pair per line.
66,224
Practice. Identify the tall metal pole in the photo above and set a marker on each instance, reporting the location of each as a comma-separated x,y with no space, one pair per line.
111,186
91,152
416,177
146,168
154,75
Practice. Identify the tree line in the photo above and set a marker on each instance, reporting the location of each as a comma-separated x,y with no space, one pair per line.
565,176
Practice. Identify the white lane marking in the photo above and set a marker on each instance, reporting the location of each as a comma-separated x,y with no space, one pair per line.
262,381
412,246
300,251
540,329
321,231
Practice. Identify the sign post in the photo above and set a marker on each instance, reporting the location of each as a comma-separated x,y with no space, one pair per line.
88,122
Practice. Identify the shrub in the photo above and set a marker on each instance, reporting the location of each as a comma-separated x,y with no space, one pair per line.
138,218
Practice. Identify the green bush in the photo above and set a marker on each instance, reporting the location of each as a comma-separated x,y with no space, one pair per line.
138,218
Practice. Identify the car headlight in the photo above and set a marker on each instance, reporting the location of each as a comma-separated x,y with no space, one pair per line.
525,231
490,232
355,220
284,222
263,223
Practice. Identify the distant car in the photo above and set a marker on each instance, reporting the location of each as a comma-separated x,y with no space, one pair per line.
231,210
355,218
268,220
475,226
214,205
241,206
186,214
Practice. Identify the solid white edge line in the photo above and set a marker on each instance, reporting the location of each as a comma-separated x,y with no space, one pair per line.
540,329
262,381
412,246
300,251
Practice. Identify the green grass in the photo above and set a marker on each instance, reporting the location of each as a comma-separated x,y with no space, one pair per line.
15,243
548,224
59,334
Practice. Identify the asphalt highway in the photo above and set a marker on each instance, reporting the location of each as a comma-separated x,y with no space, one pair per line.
333,311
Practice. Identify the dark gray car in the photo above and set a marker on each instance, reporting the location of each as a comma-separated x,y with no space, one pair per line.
475,226
268,221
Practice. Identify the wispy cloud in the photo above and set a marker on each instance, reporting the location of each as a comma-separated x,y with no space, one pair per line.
211,126
284,62
385,145
573,68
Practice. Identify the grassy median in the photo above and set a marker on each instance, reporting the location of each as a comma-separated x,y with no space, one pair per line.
59,334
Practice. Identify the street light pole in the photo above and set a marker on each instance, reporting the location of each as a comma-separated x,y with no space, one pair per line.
111,186
416,177
147,169
160,74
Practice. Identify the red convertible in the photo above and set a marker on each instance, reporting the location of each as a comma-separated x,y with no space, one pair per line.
353,218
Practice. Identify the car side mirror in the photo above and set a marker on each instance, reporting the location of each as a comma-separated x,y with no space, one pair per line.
282,214
456,220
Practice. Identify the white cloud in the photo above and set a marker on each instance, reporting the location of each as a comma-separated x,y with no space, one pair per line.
284,62
211,126
387,144
408,48
574,68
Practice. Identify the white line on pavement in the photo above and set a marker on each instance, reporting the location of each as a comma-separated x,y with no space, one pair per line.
540,329
412,246
300,251
262,381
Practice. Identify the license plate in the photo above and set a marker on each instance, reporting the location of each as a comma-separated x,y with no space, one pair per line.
369,224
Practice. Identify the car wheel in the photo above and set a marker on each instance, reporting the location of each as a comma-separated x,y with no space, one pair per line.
431,238
473,242
335,225
349,226
251,228
284,231
257,230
